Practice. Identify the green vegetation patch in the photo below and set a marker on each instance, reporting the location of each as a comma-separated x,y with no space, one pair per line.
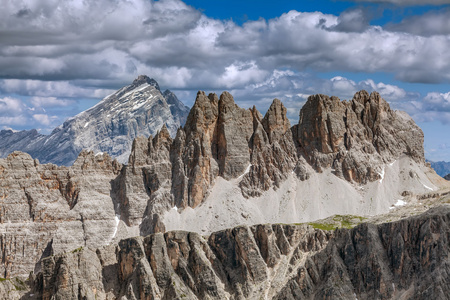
338,221
323,226
19,284
77,250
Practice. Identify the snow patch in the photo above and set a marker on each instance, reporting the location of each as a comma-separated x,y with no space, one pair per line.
382,175
139,105
246,171
399,202
175,208
427,187
392,163
116,226
140,88
87,123
99,153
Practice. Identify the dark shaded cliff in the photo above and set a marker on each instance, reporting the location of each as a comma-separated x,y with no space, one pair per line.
408,259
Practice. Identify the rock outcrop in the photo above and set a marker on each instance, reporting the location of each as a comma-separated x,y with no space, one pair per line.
356,137
110,126
226,166
46,209
407,259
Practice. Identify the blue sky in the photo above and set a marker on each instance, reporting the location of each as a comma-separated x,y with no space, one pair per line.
61,57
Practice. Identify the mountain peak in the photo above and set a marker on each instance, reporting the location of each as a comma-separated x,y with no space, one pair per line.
143,79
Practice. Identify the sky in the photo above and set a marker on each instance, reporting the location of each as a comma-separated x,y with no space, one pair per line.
58,58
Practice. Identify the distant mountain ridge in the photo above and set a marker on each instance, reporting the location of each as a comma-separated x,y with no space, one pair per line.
109,126
442,168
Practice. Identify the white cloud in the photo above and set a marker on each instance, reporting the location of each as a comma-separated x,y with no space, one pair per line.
241,74
388,91
16,120
62,40
50,102
293,89
40,88
17,113
42,119
438,101
435,22
10,105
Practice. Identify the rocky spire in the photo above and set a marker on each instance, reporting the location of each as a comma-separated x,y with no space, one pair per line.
143,79
275,121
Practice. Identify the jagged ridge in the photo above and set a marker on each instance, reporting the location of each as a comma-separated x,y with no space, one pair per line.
110,126
47,209
356,139
404,259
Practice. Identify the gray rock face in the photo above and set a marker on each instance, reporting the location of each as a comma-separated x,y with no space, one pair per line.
355,138
46,209
407,259
110,126
447,177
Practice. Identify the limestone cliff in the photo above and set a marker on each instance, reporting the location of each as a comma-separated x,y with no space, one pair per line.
355,139
226,166
46,208
407,259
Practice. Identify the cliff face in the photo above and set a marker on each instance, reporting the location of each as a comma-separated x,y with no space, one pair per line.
46,208
356,137
353,138
356,140
407,259
227,166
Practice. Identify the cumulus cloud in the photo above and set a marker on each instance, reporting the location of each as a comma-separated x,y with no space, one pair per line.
438,101
11,105
50,102
354,20
42,119
294,88
41,88
12,112
23,114
15,120
117,40
431,23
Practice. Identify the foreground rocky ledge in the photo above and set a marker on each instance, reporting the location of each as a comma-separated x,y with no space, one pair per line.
407,259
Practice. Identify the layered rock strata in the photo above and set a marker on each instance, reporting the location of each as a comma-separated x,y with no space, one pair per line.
407,259
355,139
46,209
